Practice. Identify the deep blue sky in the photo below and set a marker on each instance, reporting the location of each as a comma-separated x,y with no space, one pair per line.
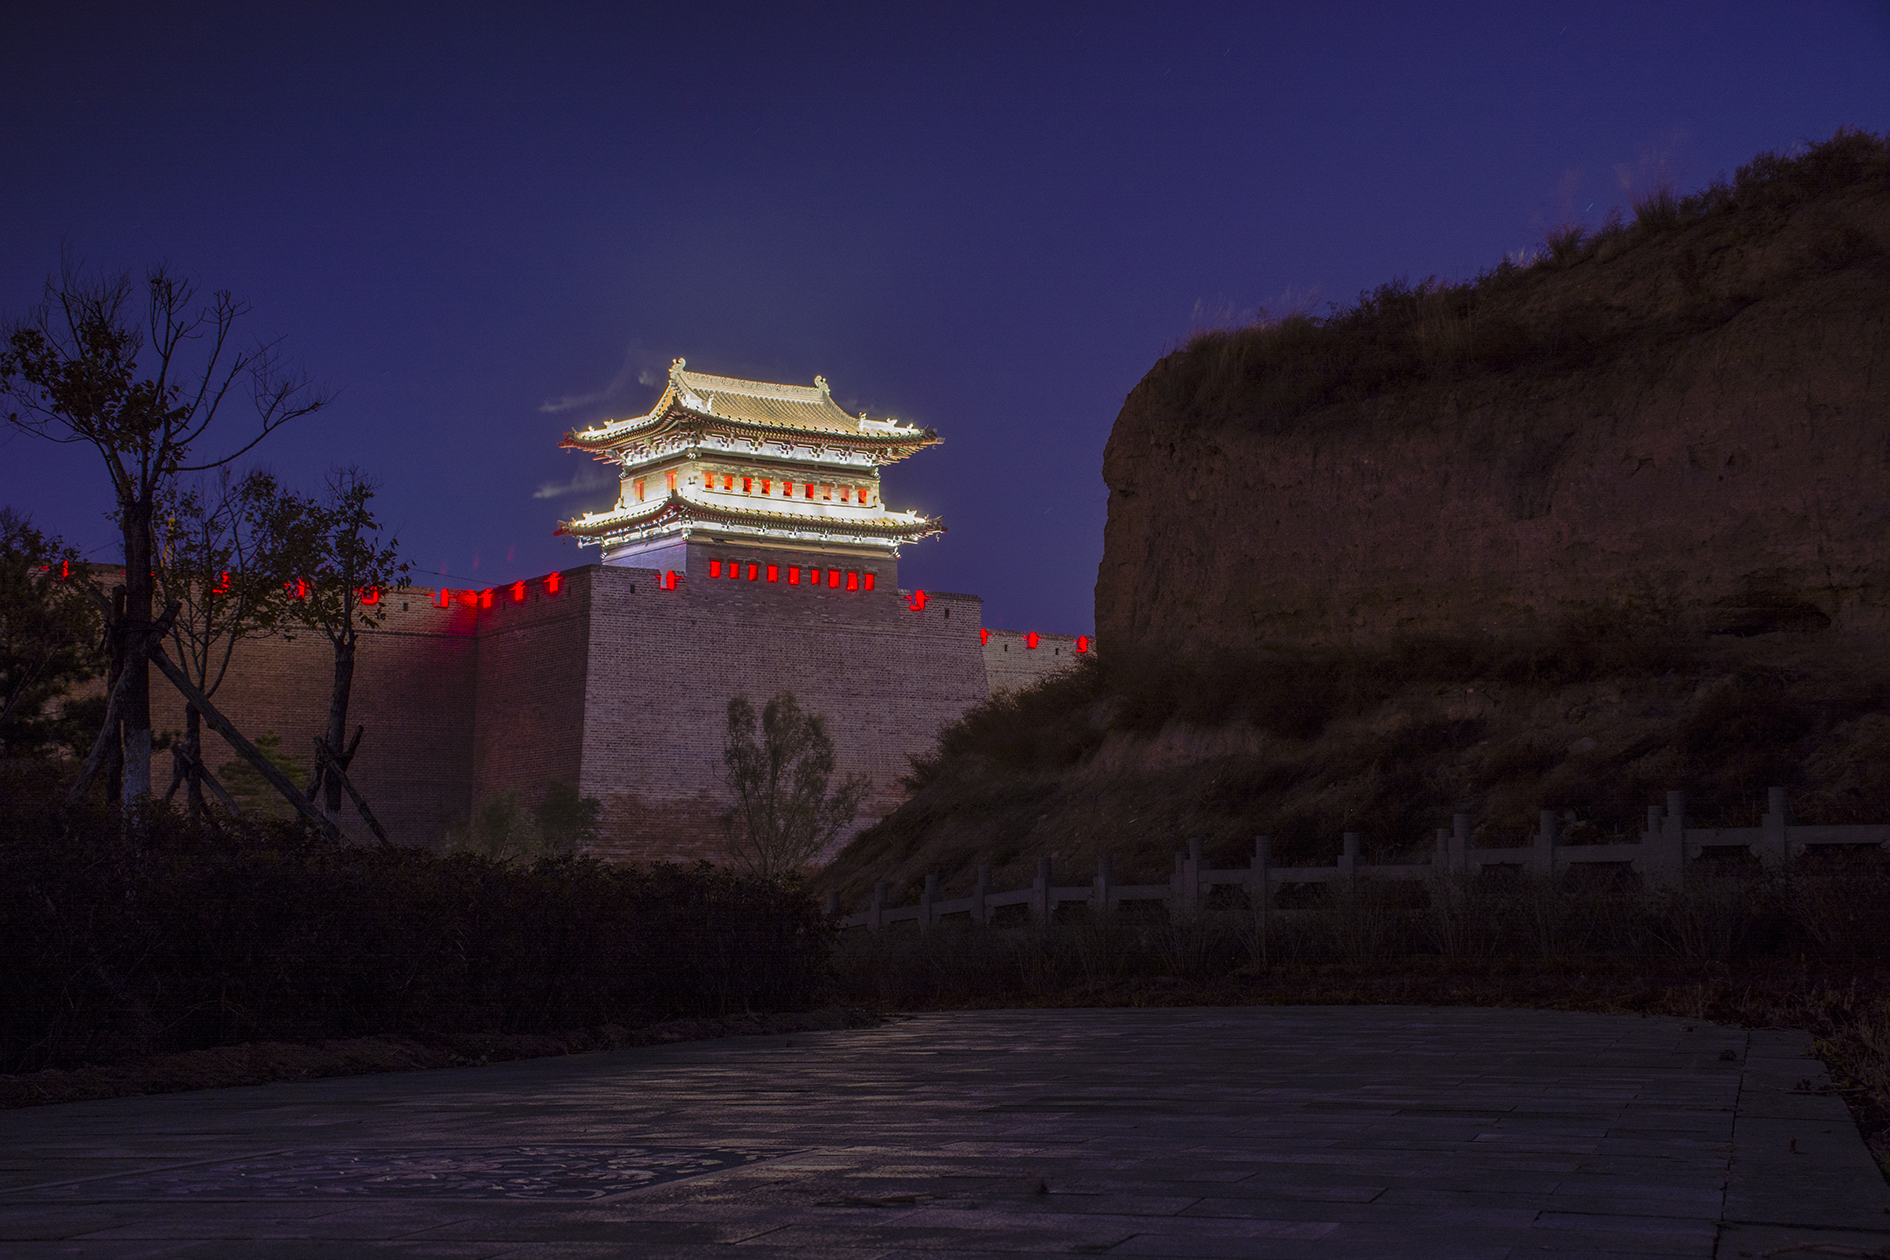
988,220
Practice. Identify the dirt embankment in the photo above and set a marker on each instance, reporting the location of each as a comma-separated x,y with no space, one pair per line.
1711,447
1565,536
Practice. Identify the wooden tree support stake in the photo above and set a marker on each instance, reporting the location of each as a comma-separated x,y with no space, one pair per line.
329,765
246,750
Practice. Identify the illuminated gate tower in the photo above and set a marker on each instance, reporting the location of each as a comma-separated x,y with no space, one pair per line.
724,471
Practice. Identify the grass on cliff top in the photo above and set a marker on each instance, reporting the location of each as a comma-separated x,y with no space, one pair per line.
1583,296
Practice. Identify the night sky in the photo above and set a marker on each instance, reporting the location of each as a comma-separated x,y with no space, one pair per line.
482,227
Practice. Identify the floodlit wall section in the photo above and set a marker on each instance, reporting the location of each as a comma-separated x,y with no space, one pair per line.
886,675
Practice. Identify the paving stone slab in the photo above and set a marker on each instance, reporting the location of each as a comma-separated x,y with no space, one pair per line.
1289,1132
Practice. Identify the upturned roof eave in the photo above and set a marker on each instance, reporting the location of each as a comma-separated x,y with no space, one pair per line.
679,510
667,420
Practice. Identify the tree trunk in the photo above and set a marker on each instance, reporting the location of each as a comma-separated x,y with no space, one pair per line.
193,775
338,720
137,631
113,768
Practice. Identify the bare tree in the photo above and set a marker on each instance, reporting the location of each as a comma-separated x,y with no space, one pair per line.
348,573
143,391
220,563
783,815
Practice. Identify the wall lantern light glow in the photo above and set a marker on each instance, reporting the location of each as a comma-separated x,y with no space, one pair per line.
485,598
518,592
918,601
667,582
442,597
221,588
1030,640
1082,643
984,636
368,595
553,582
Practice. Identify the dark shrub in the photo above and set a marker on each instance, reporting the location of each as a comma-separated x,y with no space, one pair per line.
264,934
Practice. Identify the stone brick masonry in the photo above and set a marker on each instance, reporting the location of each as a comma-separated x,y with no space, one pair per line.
621,686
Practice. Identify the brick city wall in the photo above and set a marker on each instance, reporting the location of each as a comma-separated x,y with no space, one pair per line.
414,691
1011,663
664,665
623,687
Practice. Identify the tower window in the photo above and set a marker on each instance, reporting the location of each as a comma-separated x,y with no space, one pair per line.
809,487
866,579
754,571
767,487
728,481
715,568
671,474
774,573
833,578
639,489
853,580
844,492
748,485
787,489
794,575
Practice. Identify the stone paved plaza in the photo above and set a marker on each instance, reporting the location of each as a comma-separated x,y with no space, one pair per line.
1326,1131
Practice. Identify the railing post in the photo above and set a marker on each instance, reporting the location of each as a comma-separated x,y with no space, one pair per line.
1260,879
1775,853
981,913
1175,907
876,917
927,900
833,903
1040,891
1460,845
1348,855
1192,873
1543,857
1663,846
1102,884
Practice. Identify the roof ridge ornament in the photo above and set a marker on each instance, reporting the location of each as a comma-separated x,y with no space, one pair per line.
820,383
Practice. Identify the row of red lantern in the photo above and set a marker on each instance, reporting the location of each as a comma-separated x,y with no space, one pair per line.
444,597
853,580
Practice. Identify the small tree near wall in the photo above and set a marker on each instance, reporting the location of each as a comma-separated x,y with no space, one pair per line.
782,814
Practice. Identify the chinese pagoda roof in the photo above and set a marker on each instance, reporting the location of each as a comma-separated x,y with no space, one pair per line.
677,510
762,409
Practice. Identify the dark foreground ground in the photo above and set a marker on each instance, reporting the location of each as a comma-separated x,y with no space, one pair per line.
1280,1131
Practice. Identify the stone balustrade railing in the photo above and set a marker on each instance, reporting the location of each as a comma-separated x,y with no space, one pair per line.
1660,858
